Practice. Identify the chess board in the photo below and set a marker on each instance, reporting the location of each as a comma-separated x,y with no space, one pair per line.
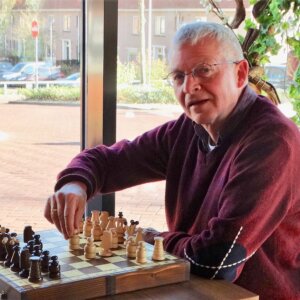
83,278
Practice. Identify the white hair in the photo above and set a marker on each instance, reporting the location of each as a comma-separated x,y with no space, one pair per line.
193,33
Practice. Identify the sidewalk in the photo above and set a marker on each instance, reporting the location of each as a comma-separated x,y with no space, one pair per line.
37,141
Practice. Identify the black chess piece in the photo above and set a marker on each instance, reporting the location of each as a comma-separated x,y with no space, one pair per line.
3,239
28,234
24,262
120,214
54,268
37,241
35,274
15,259
9,251
45,261
30,245
36,251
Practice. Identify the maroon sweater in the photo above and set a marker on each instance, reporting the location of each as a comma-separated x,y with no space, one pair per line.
233,212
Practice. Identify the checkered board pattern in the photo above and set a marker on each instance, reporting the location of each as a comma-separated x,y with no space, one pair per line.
75,267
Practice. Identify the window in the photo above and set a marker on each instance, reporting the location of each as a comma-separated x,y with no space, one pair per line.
160,25
67,23
159,52
135,25
66,49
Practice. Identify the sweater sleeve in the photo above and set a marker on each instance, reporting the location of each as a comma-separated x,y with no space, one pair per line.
261,188
126,163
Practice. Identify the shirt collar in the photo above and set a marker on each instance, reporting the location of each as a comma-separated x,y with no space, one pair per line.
244,103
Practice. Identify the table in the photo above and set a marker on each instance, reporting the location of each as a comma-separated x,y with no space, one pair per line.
196,288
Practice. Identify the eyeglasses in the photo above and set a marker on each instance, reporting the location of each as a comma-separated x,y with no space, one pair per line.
202,71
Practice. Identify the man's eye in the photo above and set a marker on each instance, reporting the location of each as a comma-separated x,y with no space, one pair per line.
202,71
178,77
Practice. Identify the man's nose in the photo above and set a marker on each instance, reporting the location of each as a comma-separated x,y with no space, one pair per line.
191,84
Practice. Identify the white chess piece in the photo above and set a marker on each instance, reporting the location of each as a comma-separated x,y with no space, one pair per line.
74,242
90,249
158,251
106,243
141,255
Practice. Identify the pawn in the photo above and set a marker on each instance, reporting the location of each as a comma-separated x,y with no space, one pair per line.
114,243
45,261
27,234
37,241
131,248
74,242
9,251
96,231
106,244
30,245
15,259
35,270
141,255
95,215
87,227
90,248
158,251
24,262
36,251
54,268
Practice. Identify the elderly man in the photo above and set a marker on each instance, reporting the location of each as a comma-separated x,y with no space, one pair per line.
231,165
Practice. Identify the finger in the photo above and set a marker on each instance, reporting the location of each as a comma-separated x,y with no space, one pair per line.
47,210
69,215
54,212
79,214
61,199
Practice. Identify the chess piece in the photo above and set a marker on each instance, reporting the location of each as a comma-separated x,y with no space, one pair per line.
35,270
30,245
158,251
15,259
90,249
111,223
139,235
24,262
37,241
36,251
27,234
10,242
141,255
114,244
131,248
45,261
104,219
132,227
96,231
106,243
3,240
95,215
54,268
87,227
74,242
120,224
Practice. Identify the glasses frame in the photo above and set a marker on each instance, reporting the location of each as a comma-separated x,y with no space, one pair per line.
172,82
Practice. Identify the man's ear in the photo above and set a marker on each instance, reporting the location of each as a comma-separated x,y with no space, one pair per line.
242,73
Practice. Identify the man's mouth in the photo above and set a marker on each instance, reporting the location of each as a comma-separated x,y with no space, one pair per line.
197,102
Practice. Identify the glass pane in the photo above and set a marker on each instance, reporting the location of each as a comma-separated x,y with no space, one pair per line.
39,104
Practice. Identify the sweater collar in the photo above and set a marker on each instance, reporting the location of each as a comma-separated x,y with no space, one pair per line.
243,105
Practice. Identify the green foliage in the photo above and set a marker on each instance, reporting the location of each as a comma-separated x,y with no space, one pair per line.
54,93
158,91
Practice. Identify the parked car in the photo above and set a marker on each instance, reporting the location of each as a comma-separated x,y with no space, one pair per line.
277,76
19,68
44,73
5,66
71,80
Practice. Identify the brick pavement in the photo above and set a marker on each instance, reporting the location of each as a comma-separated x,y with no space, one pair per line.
37,141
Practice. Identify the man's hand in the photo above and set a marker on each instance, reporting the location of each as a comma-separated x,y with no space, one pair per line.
149,234
65,208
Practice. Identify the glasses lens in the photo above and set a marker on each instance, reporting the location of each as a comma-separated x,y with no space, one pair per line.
176,78
203,71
